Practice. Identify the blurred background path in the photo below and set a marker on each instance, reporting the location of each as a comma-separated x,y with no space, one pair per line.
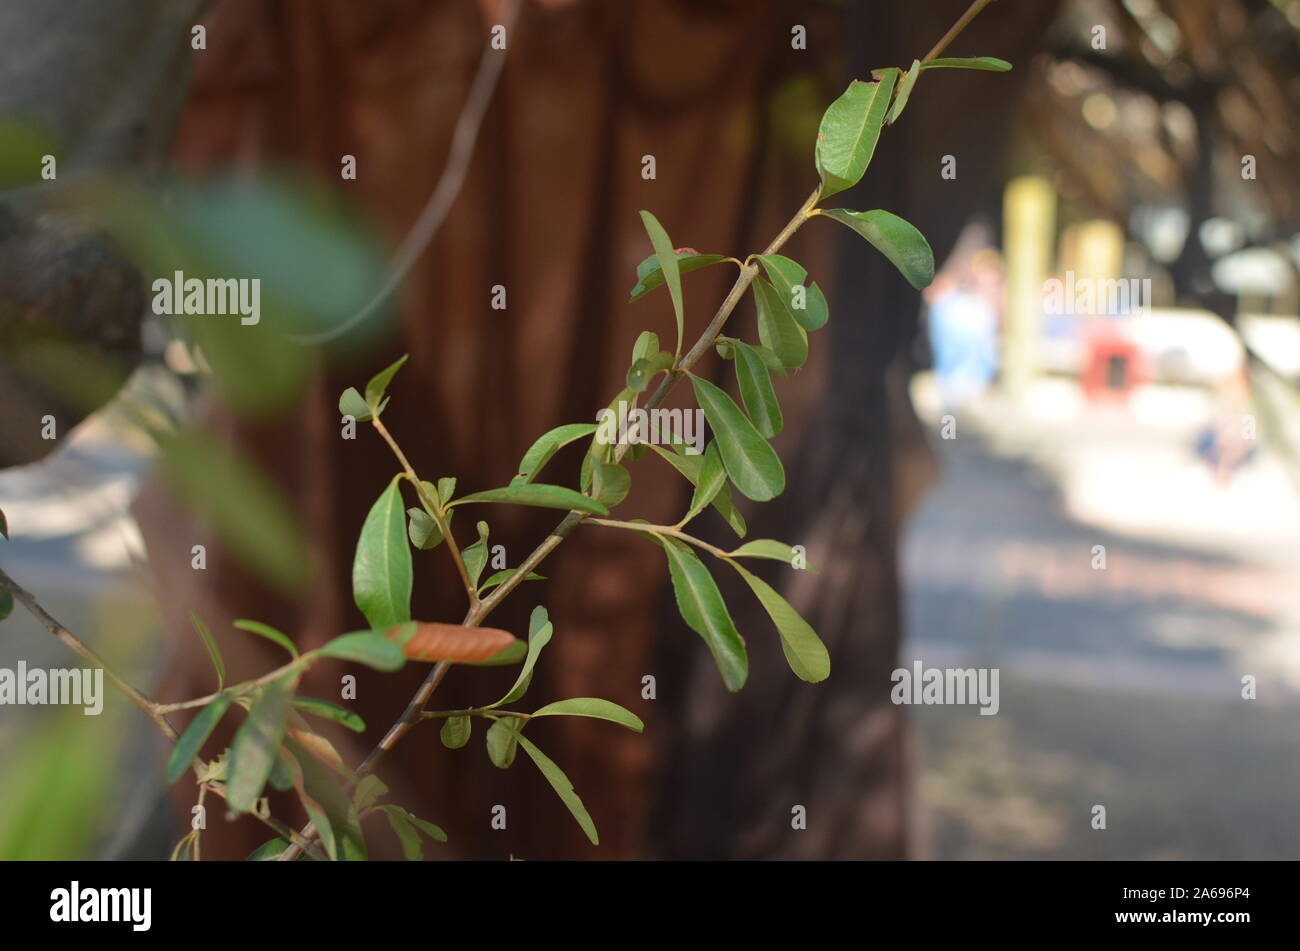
1129,672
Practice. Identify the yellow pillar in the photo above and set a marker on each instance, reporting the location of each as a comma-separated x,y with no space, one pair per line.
1029,222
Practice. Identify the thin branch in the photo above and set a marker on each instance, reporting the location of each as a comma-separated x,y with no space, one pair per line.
971,13
62,633
154,711
237,690
409,716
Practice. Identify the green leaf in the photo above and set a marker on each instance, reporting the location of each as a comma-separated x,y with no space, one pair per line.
849,129
475,556
784,273
378,384
592,707
756,391
446,489
544,496
381,570
703,609
512,654
412,845
6,603
814,313
689,467
895,239
371,648
503,741
712,478
195,735
804,650
270,633
668,266
456,732
328,806
766,548
611,421
610,483
770,359
428,828
210,645
777,328
497,577
790,280
330,711
253,752
650,275
282,771
351,403
727,350
647,341
563,788
267,851
546,446
368,792
638,375
422,530
904,92
539,635
644,369
989,63
751,463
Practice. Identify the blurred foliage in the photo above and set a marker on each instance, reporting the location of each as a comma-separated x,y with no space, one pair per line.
22,146
316,262
62,770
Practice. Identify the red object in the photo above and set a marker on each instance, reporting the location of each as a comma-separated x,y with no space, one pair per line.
1112,363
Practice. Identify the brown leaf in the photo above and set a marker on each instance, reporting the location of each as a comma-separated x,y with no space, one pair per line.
318,746
433,641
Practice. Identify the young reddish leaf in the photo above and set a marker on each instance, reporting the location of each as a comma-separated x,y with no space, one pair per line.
433,640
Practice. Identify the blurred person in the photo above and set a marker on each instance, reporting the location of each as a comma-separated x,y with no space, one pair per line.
1224,444
964,337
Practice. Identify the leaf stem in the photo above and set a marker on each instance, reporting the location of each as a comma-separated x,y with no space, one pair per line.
239,689
484,712
432,506
671,531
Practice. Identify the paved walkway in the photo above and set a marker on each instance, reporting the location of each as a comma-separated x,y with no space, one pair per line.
1121,685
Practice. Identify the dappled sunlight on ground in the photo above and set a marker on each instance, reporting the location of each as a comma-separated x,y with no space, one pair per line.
1122,684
